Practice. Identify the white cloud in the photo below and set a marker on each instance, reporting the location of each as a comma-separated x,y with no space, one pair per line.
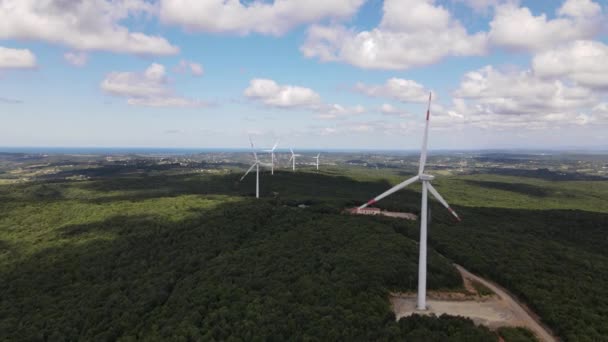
585,62
272,94
520,92
388,109
491,98
149,88
336,111
233,16
153,82
328,131
16,58
78,59
195,69
397,89
600,113
580,9
517,28
83,25
412,33
170,101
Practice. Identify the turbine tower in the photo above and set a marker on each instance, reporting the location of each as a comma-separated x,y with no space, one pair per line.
317,158
425,179
272,157
255,164
293,159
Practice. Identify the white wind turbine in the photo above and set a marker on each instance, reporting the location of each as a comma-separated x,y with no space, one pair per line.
293,159
317,158
272,157
426,186
256,164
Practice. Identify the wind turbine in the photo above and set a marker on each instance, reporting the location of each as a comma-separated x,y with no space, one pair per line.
271,151
317,158
256,164
293,159
425,179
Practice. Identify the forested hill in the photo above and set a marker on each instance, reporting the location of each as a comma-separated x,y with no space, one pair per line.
194,257
80,262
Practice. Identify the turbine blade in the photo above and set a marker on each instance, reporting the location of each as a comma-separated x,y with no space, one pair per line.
425,139
275,145
255,155
391,191
290,149
290,158
246,173
442,201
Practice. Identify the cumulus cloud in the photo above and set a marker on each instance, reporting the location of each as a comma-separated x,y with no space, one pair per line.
520,92
78,59
150,88
273,94
195,69
584,62
397,89
83,25
516,28
411,33
336,111
600,113
16,58
491,98
234,16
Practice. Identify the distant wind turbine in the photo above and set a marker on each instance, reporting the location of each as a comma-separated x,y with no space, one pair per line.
426,186
256,164
317,158
293,159
272,158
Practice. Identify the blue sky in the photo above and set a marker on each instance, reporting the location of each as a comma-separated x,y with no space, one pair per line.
335,74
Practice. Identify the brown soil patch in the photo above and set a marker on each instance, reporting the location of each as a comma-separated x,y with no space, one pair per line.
494,310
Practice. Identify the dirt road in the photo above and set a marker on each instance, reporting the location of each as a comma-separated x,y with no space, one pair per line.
497,310
526,317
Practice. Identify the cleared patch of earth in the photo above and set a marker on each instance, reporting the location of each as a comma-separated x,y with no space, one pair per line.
482,301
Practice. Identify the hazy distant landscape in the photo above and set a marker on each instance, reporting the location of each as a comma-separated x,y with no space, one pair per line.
158,246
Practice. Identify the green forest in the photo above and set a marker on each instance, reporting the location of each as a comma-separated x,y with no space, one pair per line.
154,256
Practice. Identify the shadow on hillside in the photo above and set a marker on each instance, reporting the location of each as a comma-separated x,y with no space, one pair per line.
32,192
249,268
299,186
521,188
544,174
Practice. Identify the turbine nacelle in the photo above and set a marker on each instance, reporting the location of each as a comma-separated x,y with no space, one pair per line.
425,177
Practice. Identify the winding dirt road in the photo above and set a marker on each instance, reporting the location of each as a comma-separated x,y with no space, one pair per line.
497,310
525,315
